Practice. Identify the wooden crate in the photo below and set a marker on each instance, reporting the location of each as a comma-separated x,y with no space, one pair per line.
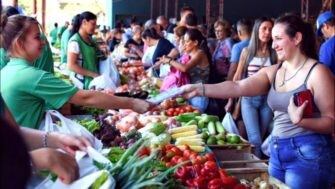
244,147
242,165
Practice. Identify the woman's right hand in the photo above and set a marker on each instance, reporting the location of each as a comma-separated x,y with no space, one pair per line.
192,90
60,163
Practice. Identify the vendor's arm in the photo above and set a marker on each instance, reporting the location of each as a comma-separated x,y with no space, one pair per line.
257,84
73,56
106,101
323,93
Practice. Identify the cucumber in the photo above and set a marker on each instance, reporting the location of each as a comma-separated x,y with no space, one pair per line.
192,122
201,124
219,127
211,128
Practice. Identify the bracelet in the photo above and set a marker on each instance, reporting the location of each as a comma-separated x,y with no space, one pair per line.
45,139
203,89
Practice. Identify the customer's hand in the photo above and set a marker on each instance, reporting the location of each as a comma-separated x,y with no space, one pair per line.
296,112
67,142
140,106
60,163
192,90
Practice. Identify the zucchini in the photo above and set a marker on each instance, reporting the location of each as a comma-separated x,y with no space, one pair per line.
211,128
219,127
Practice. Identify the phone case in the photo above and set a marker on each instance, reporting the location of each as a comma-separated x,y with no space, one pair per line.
301,97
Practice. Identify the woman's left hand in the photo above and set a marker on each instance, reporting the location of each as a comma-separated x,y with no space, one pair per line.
296,112
68,143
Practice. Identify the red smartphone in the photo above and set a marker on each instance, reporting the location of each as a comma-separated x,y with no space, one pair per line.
301,97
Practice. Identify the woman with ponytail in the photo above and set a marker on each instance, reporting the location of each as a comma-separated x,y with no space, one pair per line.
197,67
82,50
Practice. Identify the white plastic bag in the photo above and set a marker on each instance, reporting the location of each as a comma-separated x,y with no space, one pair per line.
229,124
108,68
69,127
102,82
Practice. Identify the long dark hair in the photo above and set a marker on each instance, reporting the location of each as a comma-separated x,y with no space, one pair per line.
196,35
255,42
295,24
78,19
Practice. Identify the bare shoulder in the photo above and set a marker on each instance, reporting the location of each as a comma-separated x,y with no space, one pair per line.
271,71
320,74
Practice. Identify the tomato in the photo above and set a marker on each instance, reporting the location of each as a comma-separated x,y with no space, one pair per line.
182,159
175,113
188,108
211,166
177,109
215,184
145,151
229,182
171,109
177,151
168,164
240,186
223,173
168,146
182,111
193,158
187,153
185,147
200,159
197,169
170,154
210,156
174,160
168,113
200,182
190,183
183,173
196,111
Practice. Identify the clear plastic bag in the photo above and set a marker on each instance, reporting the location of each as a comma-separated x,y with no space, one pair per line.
229,124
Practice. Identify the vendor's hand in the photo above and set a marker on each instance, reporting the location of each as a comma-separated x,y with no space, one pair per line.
229,105
192,90
68,143
140,106
296,113
63,165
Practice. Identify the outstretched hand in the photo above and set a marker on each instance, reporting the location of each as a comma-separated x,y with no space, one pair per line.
191,90
69,143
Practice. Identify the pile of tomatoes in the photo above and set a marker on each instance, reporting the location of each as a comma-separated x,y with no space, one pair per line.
198,171
180,110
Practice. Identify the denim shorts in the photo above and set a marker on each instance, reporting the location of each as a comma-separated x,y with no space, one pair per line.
199,102
303,162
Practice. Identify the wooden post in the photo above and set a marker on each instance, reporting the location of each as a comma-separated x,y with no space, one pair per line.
176,9
166,8
152,9
221,9
43,15
208,12
35,7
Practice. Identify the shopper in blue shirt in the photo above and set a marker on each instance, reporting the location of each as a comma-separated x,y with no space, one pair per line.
326,27
244,28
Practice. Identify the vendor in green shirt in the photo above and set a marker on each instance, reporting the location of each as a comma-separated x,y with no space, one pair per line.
53,34
44,61
26,90
64,43
82,50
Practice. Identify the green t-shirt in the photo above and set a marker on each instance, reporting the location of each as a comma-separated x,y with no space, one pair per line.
53,35
27,90
61,30
3,58
63,45
44,61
